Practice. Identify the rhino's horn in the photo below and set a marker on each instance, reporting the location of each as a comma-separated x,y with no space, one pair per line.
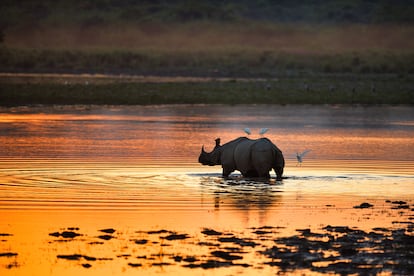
202,149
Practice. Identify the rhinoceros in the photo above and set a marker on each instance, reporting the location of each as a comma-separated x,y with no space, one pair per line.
253,158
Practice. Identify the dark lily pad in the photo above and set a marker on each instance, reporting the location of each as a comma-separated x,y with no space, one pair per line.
76,257
105,237
8,254
364,205
401,206
65,234
190,259
209,264
95,242
89,258
238,241
108,230
73,228
142,241
73,257
177,258
69,234
162,231
211,232
126,256
399,202
173,237
161,264
261,232
209,244
226,255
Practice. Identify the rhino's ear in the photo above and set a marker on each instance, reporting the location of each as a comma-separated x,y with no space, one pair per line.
217,142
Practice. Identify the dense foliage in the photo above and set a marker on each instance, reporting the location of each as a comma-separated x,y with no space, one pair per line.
95,12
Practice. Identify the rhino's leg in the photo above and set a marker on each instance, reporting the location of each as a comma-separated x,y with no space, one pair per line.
251,173
262,172
279,172
226,172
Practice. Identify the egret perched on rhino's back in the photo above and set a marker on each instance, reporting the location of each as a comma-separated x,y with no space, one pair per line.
263,130
253,158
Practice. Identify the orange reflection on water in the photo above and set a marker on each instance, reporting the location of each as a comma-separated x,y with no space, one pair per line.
179,132
41,197
135,170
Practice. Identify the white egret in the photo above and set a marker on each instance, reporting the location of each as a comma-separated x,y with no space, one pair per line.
247,130
299,156
263,130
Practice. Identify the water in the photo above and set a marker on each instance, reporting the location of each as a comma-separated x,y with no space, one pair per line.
134,169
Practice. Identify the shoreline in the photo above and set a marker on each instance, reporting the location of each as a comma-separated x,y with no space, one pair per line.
107,89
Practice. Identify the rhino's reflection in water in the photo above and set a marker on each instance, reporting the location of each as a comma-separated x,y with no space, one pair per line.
243,193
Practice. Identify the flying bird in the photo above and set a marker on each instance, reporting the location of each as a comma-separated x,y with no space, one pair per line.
299,156
247,130
263,130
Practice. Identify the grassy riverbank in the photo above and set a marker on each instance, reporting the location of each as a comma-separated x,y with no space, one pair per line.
220,63
250,49
332,89
218,53
206,62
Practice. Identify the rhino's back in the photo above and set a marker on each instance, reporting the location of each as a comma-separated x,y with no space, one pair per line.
243,149
263,144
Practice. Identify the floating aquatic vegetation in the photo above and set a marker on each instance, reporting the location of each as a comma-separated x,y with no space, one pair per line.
173,237
337,249
65,234
8,254
211,232
105,237
364,205
108,230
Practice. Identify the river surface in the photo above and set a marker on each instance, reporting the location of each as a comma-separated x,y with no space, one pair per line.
117,190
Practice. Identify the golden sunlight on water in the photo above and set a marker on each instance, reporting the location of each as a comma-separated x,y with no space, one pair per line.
118,191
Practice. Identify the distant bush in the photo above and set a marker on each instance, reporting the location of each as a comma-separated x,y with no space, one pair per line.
329,89
317,11
229,63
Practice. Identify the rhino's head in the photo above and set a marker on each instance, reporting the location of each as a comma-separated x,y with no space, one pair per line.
211,158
